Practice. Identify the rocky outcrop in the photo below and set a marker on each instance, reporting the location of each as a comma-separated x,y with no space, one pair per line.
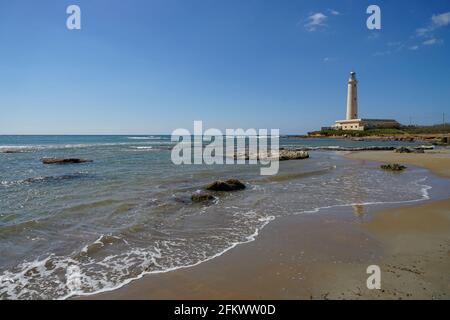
282,155
424,148
420,149
64,160
370,148
202,197
393,167
403,150
286,155
229,185
302,153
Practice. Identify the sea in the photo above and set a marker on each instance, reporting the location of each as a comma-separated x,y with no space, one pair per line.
80,229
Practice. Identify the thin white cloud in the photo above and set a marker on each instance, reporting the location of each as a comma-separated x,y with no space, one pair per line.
432,42
422,31
441,20
437,21
315,21
396,46
373,36
328,59
334,12
382,53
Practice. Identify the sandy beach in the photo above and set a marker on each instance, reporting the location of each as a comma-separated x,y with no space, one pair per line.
325,256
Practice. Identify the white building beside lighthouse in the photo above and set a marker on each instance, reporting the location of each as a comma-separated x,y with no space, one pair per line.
353,121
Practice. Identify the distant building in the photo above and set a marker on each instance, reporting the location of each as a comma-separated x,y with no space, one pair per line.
353,122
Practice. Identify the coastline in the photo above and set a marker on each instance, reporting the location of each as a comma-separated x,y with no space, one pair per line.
325,256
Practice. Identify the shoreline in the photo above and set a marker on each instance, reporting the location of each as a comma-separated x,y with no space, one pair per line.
323,256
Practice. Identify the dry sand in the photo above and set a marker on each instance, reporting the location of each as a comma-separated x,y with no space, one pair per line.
325,256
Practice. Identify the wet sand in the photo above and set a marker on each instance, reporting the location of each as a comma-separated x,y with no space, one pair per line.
325,255
437,161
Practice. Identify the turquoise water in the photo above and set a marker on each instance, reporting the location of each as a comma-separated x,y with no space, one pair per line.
80,229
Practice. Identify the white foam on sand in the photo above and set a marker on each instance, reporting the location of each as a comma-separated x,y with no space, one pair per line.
55,270
115,271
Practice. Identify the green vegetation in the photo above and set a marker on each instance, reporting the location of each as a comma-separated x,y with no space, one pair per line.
438,128
435,129
365,133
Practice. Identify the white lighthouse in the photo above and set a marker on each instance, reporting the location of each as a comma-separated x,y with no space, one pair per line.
352,97
352,121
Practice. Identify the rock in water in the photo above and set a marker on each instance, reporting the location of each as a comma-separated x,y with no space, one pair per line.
229,185
63,160
393,167
424,148
202,197
11,151
286,155
403,150
420,149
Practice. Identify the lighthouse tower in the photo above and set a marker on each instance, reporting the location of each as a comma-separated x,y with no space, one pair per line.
352,97
353,122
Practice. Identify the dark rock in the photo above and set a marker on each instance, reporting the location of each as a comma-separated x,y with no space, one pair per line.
12,151
296,153
370,148
63,160
184,199
78,175
420,149
229,185
424,148
202,197
286,155
393,167
403,150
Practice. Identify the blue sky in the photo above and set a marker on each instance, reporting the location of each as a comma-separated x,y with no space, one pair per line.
151,66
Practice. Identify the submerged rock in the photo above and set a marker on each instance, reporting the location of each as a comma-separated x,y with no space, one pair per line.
78,175
12,151
286,155
202,197
229,185
393,167
64,160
